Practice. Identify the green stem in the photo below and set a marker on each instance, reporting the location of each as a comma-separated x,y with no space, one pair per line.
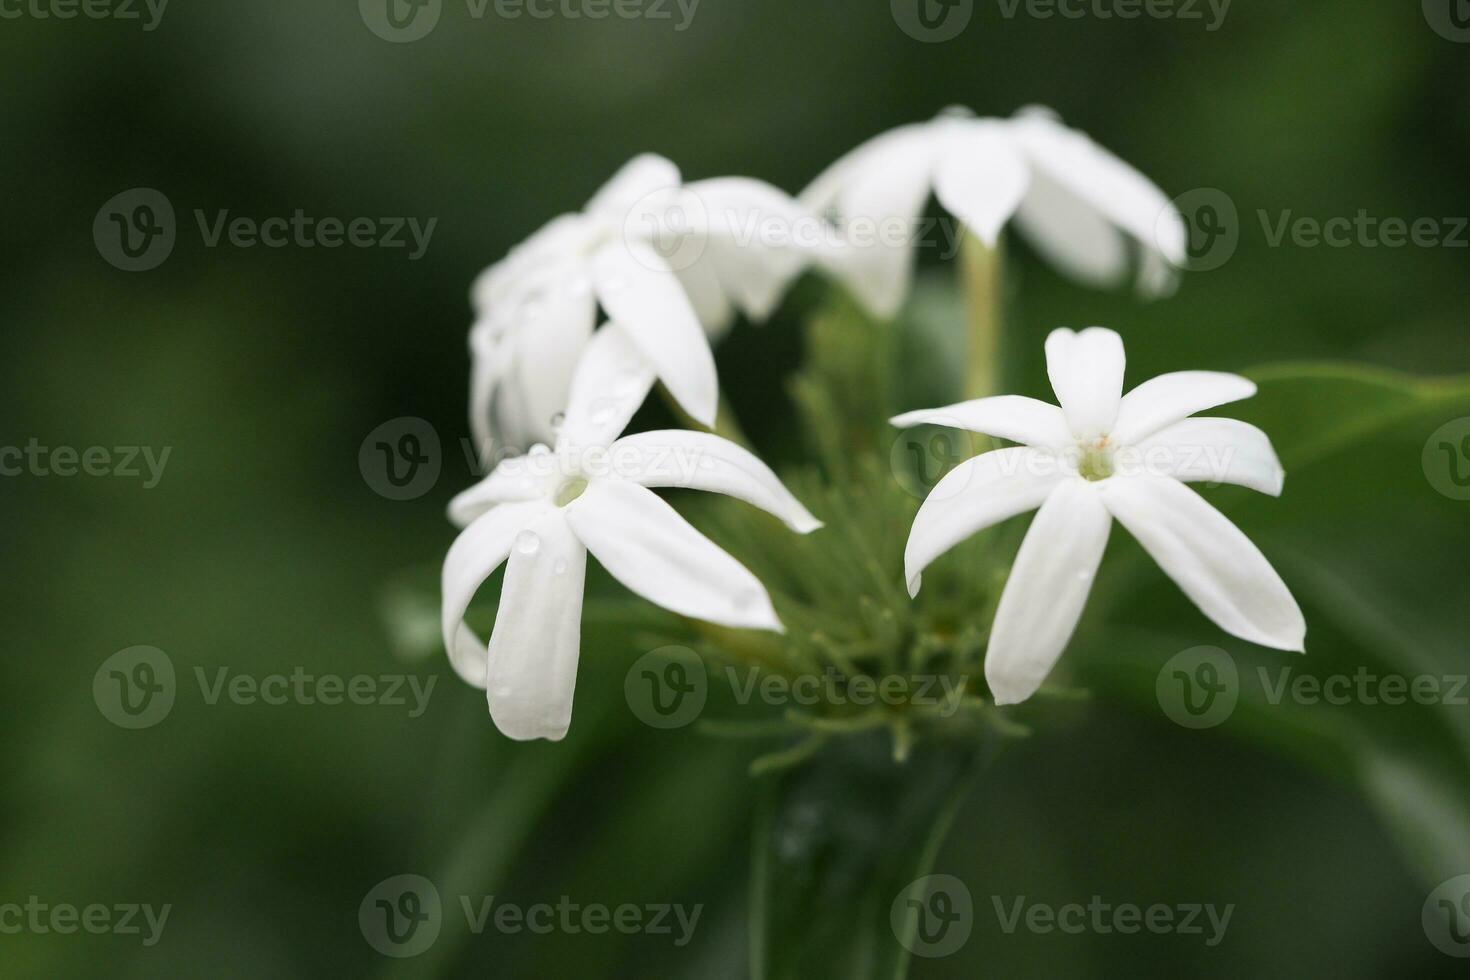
982,271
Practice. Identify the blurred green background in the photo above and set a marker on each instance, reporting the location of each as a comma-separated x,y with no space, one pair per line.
263,549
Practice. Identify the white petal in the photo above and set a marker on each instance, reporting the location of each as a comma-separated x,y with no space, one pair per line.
1166,399
878,192
980,178
974,495
473,557
1071,234
1213,450
1086,371
707,295
1025,420
646,545
611,382
639,292
537,635
514,480
1105,183
760,240
703,461
645,174
490,362
1215,564
1048,587
551,331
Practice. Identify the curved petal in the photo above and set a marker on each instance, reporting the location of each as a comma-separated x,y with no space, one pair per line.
878,192
1048,587
473,557
514,480
646,545
1166,399
703,461
1025,420
1070,234
551,330
707,295
638,291
1213,450
538,629
1086,371
489,363
1215,564
760,240
974,495
645,174
1105,183
980,178
612,380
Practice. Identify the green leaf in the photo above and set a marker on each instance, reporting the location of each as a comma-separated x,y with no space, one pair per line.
836,842
1374,556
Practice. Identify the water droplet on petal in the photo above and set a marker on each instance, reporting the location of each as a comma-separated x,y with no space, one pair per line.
558,420
560,567
527,543
540,449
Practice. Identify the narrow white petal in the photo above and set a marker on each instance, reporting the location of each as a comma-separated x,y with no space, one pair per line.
473,557
878,194
551,330
974,495
1048,587
707,295
1072,235
1086,371
611,381
1210,450
1025,420
1102,181
639,292
490,361
537,636
645,174
1166,399
514,480
980,178
703,461
1215,564
646,545
760,239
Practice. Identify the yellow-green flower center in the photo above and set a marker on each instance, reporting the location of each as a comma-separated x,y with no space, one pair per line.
570,490
1097,460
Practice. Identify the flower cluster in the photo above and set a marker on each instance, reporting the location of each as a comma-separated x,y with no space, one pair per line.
666,265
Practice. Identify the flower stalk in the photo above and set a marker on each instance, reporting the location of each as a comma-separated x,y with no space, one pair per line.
981,271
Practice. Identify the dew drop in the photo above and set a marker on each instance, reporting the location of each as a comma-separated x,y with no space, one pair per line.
527,543
560,567
558,420
540,449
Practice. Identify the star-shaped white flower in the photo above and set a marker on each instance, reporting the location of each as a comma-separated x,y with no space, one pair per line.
670,262
542,513
1105,455
1078,204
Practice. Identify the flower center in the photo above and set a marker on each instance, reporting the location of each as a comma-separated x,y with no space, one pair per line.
570,490
1097,460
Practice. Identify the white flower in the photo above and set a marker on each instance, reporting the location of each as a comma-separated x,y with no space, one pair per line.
543,512
1077,203
1105,455
668,261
